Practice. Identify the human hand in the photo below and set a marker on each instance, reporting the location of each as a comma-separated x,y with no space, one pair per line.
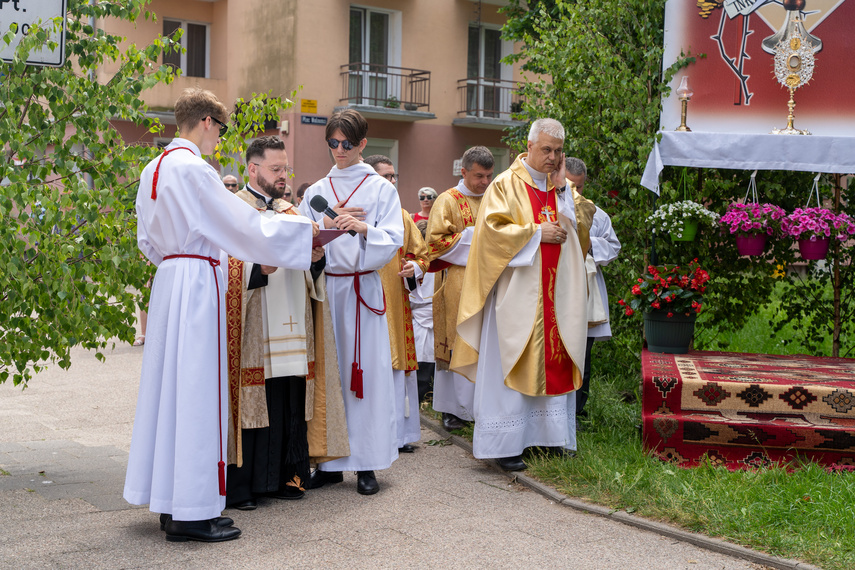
354,211
348,223
268,269
317,253
408,269
552,232
316,230
559,175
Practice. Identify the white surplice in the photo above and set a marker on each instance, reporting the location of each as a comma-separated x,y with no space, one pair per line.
605,247
506,421
182,400
421,304
371,423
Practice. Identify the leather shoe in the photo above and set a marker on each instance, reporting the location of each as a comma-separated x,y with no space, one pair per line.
450,422
221,521
320,478
203,531
289,494
562,452
247,505
514,463
366,483
407,448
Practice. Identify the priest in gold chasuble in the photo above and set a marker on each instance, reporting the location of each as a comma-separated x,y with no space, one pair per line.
522,320
277,335
449,235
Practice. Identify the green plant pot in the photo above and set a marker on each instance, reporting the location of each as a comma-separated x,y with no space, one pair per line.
669,335
690,230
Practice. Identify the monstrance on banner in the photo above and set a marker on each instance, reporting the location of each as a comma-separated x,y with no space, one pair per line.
736,89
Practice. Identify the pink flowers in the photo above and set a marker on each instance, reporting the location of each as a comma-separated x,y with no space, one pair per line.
814,223
753,218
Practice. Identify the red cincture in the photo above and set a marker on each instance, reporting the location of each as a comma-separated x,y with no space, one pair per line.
157,170
356,367
351,194
221,465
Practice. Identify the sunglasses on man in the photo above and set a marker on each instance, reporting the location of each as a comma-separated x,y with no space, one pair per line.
333,144
231,184
224,128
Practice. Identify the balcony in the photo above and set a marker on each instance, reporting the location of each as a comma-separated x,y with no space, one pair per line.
386,92
487,103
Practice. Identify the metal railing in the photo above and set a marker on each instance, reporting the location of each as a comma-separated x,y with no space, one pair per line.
385,86
484,97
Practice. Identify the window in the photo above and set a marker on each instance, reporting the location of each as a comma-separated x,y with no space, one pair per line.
193,61
373,47
487,95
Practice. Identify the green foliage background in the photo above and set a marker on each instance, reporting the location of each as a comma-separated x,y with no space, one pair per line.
70,270
604,80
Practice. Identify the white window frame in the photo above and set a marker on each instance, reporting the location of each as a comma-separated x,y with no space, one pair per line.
506,72
394,44
183,41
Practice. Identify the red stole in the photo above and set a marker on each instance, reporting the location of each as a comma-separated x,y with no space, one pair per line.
558,364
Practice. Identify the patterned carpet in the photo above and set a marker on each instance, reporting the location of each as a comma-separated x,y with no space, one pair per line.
748,410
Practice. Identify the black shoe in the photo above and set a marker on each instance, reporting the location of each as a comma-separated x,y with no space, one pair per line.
247,505
288,494
514,463
407,448
366,483
320,478
203,531
561,452
221,521
450,422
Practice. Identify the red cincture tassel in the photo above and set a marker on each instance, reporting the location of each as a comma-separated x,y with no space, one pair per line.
221,472
356,380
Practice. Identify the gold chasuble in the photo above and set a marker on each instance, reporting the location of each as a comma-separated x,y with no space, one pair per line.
541,311
288,333
451,213
399,316
585,210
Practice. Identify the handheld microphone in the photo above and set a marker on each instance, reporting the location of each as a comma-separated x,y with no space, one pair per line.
320,205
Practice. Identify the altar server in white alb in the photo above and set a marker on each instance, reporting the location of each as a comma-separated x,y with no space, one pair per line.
367,204
186,220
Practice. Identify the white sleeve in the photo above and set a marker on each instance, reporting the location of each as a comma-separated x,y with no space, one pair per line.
605,245
525,256
459,252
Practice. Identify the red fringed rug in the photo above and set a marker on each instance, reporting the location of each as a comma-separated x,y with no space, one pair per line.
748,410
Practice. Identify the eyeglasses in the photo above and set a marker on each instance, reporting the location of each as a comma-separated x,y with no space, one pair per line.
224,128
391,176
231,184
346,145
423,197
287,195
276,170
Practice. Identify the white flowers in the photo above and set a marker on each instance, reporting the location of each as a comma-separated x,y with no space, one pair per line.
669,218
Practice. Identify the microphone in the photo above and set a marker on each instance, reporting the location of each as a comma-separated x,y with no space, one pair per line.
320,205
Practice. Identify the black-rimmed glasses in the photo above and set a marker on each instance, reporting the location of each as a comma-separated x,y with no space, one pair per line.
231,184
391,176
346,145
224,128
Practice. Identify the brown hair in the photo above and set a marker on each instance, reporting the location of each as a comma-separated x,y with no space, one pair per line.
376,159
352,125
260,145
195,105
479,155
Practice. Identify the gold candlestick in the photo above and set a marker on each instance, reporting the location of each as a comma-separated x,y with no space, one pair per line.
684,93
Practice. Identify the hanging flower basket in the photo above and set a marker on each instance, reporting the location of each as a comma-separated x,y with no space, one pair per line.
671,335
813,249
687,233
815,228
750,244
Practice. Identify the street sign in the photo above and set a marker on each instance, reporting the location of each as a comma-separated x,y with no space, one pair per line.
308,105
25,13
307,120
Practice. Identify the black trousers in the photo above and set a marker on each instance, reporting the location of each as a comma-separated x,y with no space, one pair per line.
424,379
274,455
584,391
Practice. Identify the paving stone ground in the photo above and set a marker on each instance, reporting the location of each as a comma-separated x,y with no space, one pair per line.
63,452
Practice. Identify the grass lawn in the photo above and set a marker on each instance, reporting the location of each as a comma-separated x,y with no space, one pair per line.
807,513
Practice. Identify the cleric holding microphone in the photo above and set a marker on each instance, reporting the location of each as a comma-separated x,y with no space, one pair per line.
367,204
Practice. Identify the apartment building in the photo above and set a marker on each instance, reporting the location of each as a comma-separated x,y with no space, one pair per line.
425,73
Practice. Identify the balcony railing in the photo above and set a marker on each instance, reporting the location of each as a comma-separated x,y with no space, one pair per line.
385,86
488,98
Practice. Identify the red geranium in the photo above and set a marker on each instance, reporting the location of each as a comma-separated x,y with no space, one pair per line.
681,289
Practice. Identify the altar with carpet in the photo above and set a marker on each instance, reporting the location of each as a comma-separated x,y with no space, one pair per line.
748,410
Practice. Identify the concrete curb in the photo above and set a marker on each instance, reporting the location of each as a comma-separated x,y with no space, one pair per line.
699,540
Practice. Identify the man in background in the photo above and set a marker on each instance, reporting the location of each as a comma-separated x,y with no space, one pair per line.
231,183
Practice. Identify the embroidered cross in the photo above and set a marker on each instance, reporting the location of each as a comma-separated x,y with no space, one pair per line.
291,323
444,346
